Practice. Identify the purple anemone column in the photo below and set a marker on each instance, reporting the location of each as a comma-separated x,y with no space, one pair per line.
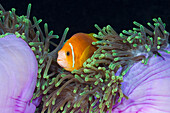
148,87
18,75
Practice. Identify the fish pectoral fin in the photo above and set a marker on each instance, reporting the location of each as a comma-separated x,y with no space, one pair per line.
87,53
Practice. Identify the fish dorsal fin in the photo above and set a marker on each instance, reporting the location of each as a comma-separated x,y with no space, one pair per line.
87,53
91,35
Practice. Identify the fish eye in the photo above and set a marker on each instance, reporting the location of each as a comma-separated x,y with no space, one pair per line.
68,53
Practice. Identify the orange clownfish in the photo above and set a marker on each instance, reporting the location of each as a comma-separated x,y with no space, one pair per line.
76,51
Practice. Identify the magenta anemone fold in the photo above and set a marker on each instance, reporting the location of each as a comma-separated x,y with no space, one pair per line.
18,75
147,87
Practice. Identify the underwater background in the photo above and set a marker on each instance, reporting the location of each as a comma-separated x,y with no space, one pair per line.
81,15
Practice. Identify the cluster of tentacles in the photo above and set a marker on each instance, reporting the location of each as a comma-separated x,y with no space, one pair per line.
96,87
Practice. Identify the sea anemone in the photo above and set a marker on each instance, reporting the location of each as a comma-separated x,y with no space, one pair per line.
100,85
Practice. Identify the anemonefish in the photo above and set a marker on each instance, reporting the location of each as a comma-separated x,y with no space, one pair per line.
76,51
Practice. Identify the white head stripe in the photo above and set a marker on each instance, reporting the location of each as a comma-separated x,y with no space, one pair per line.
72,54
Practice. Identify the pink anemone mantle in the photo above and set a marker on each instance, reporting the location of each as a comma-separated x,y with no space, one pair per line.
18,75
147,86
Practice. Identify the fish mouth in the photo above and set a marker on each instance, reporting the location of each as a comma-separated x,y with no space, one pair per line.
61,63
59,59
